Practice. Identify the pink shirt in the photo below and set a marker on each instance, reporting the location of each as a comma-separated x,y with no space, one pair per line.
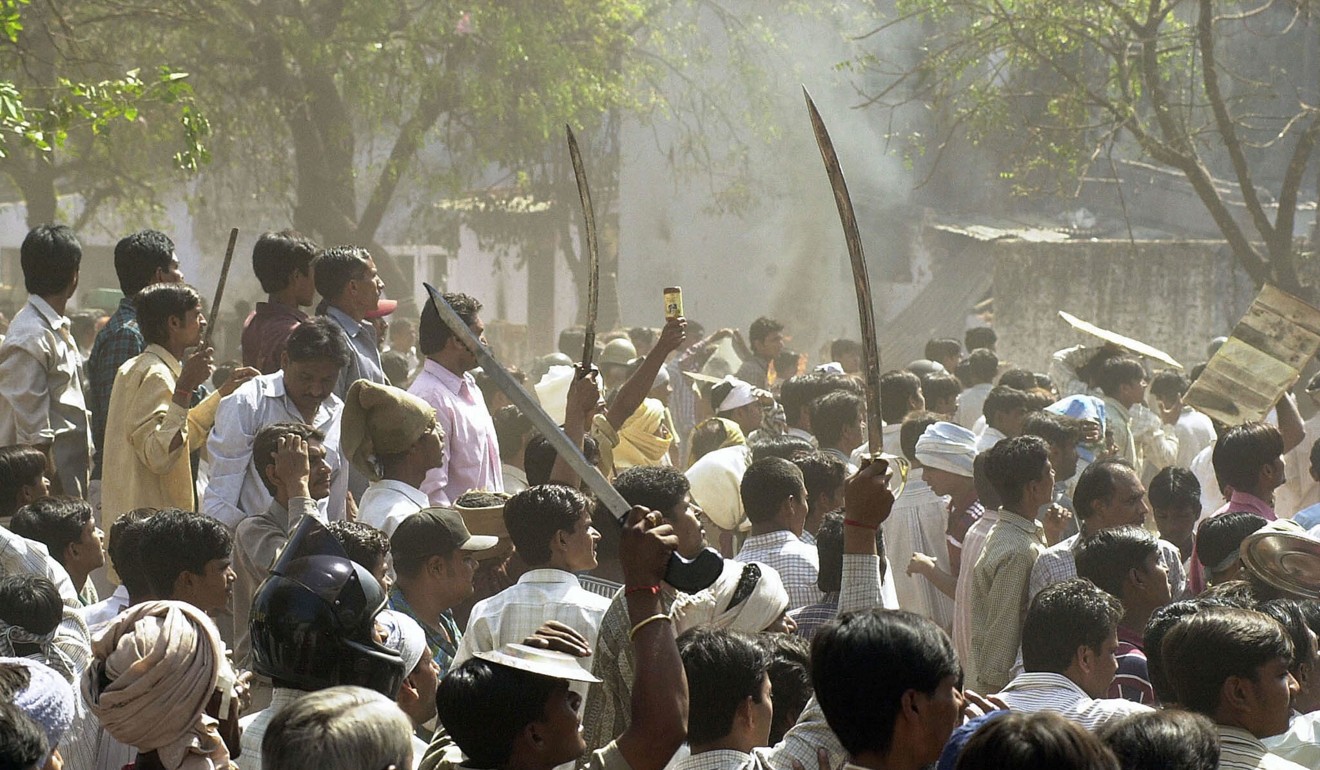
1238,502
472,454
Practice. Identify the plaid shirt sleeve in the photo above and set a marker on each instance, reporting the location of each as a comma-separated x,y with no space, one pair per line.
114,346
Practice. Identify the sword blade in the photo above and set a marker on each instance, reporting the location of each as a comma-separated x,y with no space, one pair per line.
593,249
220,288
607,494
861,281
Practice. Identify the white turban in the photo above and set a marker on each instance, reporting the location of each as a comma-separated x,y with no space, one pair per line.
948,447
404,636
757,612
739,394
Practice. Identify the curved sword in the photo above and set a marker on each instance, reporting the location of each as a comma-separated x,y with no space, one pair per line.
861,281
593,250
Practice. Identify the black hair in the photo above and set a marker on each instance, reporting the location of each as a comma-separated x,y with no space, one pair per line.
267,442
176,541
1097,482
55,522
50,257
657,487
1169,384
863,662
1152,641
1014,463
1315,458
985,489
821,473
1311,611
1290,615
761,328
432,334
484,706
708,435
1041,740
123,550
1018,379
14,678
939,386
829,547
1001,399
797,392
1117,372
790,679
914,425
1201,652
980,337
318,339
832,413
1174,487
1063,617
139,256
364,544
20,466
1218,537
943,348
723,669
158,303
897,390
1171,739
1239,593
1058,430
335,267
982,366
277,256
784,447
573,338
23,742
1242,451
30,602
511,425
765,486
844,347
539,457
1106,557
537,514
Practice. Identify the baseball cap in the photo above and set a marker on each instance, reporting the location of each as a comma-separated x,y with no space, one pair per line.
435,532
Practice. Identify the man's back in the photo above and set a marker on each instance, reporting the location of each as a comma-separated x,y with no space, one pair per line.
999,599
797,563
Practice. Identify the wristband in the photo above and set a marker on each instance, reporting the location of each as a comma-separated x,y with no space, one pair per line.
652,590
633,633
862,524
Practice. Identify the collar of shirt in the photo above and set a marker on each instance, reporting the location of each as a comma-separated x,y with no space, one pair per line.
715,759
413,494
548,575
350,327
48,313
1030,526
278,514
1245,501
778,537
452,382
1042,680
176,366
1241,740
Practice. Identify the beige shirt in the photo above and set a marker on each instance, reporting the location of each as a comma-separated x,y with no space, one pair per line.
140,467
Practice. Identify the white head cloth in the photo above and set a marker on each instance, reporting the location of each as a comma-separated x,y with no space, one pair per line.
949,447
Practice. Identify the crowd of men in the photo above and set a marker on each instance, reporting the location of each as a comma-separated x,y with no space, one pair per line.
348,549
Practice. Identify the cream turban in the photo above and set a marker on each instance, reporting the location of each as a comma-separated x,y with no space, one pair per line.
948,447
153,671
381,419
767,601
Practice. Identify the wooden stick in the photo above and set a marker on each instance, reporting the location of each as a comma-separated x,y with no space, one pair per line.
220,289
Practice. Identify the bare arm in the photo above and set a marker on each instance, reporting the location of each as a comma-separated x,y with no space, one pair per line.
633,391
1290,423
583,401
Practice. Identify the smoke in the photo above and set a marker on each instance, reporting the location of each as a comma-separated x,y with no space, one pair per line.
784,253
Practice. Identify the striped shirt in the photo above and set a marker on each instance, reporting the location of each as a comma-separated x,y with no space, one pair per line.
1042,691
1240,750
999,599
797,563
1059,563
972,545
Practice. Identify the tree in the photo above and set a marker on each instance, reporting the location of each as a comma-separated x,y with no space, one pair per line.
80,114
1195,85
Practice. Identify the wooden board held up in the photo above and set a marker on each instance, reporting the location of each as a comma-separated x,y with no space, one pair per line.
1270,346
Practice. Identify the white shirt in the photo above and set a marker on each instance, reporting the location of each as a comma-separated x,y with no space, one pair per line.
104,611
254,726
472,451
235,491
1240,750
971,403
988,438
1195,432
973,544
515,613
1040,691
388,502
1301,742
917,524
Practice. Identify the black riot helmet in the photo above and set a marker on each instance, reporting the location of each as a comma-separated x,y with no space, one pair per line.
313,621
